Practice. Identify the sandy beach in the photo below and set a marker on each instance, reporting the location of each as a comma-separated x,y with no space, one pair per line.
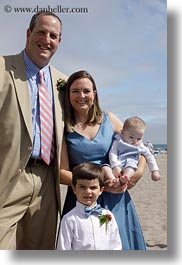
150,200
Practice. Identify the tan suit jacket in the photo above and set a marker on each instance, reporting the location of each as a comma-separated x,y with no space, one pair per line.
16,123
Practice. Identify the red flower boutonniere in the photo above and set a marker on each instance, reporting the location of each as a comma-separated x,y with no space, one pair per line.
105,219
61,84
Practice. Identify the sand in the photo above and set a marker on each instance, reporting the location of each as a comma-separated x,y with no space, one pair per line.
150,200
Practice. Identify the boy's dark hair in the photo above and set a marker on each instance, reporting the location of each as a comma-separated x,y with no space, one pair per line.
88,170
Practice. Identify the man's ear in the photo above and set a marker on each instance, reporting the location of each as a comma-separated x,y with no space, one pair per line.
28,32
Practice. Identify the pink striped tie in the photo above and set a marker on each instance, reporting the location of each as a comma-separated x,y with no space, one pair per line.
46,122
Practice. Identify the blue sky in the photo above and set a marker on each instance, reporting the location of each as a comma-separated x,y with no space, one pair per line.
122,43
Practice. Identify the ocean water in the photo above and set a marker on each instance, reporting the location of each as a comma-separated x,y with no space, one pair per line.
160,146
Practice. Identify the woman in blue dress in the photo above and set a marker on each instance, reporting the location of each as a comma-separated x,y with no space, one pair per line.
89,133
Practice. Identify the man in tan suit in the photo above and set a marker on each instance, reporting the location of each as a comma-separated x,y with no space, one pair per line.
29,187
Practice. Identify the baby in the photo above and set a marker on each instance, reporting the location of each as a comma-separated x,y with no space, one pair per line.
126,149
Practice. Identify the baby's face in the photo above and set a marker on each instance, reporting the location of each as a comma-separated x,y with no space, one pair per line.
133,137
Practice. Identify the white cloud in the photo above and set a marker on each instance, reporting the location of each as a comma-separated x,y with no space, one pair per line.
122,43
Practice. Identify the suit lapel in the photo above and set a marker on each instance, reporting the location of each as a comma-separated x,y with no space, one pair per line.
57,106
21,86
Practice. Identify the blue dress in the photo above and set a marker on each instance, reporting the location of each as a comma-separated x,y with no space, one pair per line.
81,149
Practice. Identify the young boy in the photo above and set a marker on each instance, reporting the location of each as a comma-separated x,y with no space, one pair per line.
88,226
126,149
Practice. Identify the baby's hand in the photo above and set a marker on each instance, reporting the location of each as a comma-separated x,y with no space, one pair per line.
155,176
123,179
113,182
116,183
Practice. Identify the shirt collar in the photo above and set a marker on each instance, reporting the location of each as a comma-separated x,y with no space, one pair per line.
31,68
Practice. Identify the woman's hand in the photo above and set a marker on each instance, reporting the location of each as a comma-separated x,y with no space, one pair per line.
132,182
112,188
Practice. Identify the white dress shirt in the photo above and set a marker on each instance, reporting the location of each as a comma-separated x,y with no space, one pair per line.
77,232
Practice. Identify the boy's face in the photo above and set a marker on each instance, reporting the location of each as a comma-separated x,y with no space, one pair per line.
87,191
133,137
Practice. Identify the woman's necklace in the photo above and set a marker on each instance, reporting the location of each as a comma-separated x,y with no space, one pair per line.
80,125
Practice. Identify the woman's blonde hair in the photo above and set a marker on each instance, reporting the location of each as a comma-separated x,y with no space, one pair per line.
95,112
